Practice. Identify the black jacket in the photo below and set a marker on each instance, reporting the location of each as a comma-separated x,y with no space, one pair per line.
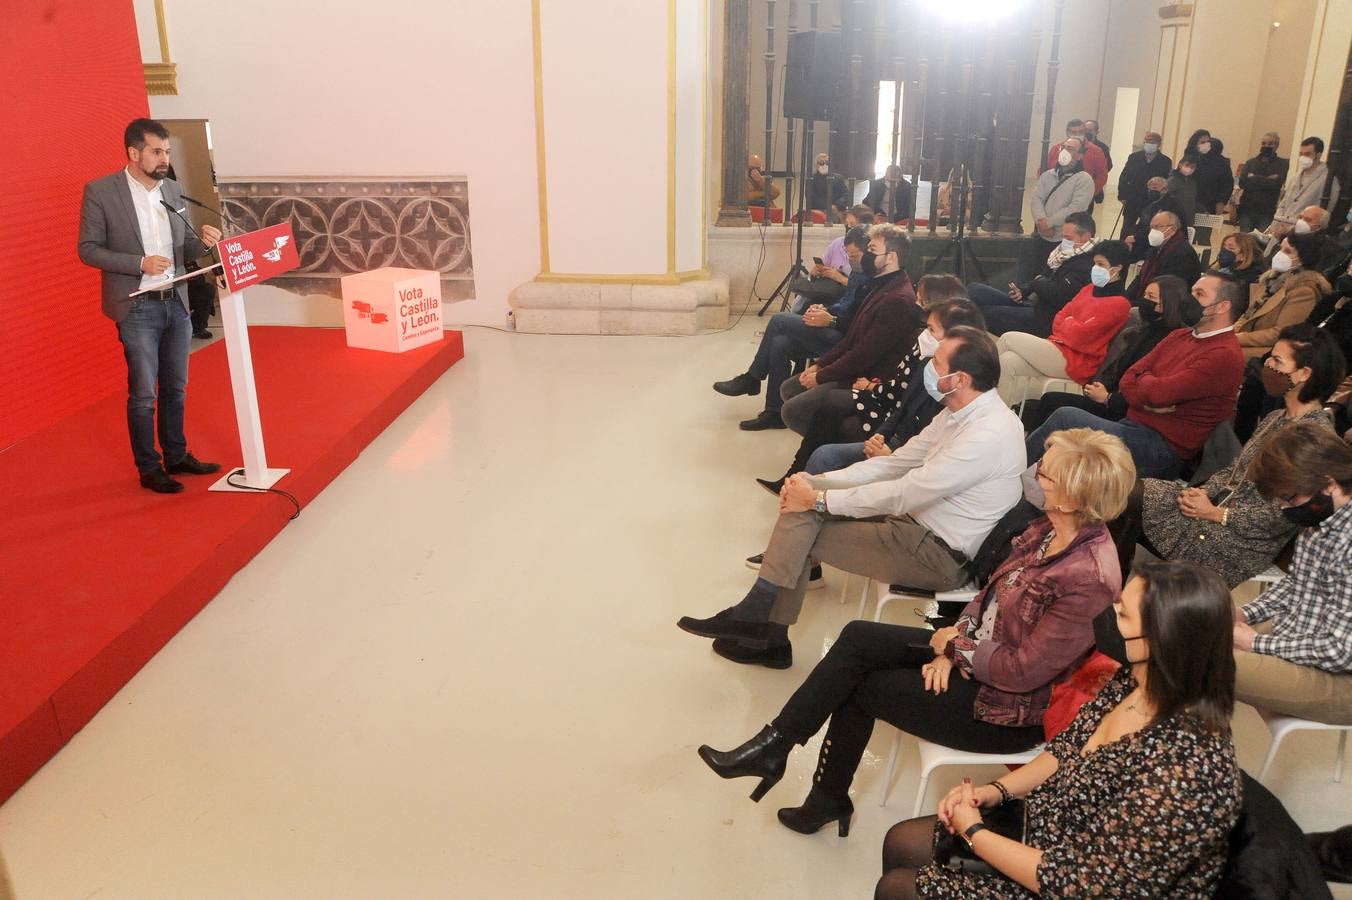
1054,289
1215,177
825,191
902,199
1175,257
1167,203
1262,184
1131,182
1269,857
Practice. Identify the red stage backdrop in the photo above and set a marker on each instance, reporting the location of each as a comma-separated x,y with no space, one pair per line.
72,71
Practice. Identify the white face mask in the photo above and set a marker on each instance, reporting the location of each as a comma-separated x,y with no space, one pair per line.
1063,158
1304,162
1302,227
1204,147
822,170
1067,246
1282,262
1156,237
927,343
1151,149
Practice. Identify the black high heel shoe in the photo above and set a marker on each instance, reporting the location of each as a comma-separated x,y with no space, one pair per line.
820,808
765,755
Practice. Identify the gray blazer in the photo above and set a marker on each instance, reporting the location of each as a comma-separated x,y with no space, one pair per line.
110,239
1054,203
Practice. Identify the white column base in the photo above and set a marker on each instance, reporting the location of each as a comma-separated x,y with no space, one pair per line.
243,484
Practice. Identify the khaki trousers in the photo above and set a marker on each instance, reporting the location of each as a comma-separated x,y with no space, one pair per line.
1025,361
1273,684
894,550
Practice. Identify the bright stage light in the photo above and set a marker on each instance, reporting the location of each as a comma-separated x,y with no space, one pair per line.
973,10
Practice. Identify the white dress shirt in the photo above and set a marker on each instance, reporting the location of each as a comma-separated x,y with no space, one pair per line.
957,477
157,237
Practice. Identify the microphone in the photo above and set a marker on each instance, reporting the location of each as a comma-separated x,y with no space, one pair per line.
211,209
169,206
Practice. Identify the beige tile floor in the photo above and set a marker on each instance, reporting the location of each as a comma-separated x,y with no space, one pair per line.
457,674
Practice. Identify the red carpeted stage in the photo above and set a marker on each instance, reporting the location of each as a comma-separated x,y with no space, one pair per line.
97,573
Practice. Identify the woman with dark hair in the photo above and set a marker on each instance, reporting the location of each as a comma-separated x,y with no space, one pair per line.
1215,177
1030,627
886,414
1136,798
1290,290
1225,523
1298,661
1147,325
931,290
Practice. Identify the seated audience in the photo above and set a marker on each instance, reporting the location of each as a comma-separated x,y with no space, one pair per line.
1215,177
1284,295
827,191
1061,190
1095,162
1032,306
1305,188
1031,626
1160,201
790,336
1225,523
1178,392
1241,257
1080,336
891,198
1137,797
757,185
1133,182
916,516
1169,254
1313,221
884,328
1294,643
886,414
1146,326
827,280
1262,185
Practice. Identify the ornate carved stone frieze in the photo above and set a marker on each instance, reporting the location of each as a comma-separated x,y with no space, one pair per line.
351,225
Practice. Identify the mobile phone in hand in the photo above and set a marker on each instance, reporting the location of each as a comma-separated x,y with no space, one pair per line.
818,260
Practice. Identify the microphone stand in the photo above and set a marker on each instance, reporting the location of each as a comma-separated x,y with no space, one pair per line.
231,223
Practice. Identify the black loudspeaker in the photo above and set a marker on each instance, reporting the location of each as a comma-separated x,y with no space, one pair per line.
811,70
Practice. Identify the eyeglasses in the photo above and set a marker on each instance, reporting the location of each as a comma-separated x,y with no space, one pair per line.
1042,473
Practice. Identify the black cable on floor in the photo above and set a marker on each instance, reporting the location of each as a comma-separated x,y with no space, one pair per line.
229,479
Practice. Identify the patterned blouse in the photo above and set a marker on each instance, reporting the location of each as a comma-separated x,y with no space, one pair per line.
875,404
1146,816
1256,530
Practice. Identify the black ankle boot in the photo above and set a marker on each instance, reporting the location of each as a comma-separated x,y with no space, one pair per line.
820,808
773,487
765,755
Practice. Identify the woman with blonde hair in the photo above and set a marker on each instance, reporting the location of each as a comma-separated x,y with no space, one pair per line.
1240,256
1031,626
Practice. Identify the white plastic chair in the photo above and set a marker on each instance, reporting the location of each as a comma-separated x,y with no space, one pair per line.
1069,385
1281,726
1268,577
936,756
889,593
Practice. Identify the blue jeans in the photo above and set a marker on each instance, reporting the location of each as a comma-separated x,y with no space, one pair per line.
1152,454
155,337
1000,311
787,337
833,457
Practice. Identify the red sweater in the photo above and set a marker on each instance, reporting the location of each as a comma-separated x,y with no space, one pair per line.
1190,383
1085,326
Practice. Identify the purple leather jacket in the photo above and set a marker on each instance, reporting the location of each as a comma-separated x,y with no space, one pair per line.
1044,624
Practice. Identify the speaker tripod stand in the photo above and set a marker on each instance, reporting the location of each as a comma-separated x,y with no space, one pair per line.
797,270
959,248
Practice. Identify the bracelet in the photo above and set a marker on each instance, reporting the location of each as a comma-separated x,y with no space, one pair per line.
1005,795
972,829
1225,517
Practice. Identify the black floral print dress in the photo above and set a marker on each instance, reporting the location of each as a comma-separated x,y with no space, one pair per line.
1147,816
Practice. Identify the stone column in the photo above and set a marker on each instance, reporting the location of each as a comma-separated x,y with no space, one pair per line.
736,112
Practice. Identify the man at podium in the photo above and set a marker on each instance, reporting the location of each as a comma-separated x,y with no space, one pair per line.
134,227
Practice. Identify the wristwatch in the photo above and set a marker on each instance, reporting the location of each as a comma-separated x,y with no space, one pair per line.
973,829
819,505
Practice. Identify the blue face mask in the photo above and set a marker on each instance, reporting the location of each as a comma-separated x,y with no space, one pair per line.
1100,276
932,379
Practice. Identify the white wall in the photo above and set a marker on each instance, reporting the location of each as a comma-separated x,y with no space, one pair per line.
691,138
400,88
1224,72
1283,73
1325,65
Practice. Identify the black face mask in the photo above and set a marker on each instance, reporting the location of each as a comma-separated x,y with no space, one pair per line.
1267,152
1311,512
1226,258
1190,311
1344,284
1149,313
870,262
1153,195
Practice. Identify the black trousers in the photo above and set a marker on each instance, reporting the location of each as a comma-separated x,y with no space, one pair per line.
861,679
1035,412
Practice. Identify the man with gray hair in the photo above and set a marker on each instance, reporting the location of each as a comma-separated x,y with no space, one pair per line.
1063,189
1261,180
1169,254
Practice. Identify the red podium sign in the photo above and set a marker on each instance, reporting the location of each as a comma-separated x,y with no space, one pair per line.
256,256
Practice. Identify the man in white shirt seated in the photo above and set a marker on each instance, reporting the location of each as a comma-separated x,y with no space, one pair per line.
915,517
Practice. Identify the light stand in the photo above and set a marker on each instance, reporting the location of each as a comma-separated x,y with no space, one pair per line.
959,244
797,269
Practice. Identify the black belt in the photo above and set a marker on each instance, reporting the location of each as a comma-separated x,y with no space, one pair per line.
169,294
958,556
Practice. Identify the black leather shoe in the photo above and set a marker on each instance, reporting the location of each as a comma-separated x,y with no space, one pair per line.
817,810
767,420
773,487
777,657
743,385
722,625
202,334
765,755
190,465
160,482
814,577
